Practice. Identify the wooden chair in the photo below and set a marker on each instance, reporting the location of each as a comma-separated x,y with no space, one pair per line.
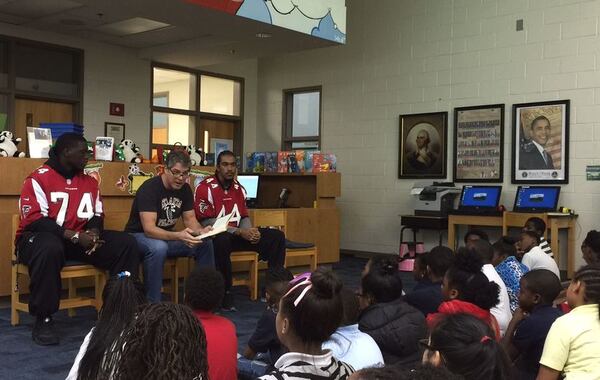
117,221
277,219
251,281
70,272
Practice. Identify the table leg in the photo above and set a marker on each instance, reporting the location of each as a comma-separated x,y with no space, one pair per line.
554,241
571,248
451,235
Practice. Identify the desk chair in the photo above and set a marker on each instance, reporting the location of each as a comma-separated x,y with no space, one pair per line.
71,271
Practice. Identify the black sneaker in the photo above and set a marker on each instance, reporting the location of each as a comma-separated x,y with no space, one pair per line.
43,332
228,304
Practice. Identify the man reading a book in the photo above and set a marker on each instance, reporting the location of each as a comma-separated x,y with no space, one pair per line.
158,205
221,195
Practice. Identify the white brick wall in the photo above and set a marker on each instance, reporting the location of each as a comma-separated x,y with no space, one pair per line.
407,56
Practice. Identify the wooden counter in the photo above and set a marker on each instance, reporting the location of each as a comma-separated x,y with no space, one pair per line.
313,216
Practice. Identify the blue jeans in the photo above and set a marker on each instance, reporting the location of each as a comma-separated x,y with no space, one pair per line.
251,369
155,252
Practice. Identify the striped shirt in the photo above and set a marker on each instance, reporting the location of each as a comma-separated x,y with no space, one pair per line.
297,366
545,247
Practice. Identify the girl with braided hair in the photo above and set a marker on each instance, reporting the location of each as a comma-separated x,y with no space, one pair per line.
395,325
465,345
572,346
165,341
308,314
466,289
121,297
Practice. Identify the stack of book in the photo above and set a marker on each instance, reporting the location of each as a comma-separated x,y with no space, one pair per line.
297,161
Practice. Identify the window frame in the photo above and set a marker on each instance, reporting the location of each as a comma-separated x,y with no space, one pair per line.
287,138
195,113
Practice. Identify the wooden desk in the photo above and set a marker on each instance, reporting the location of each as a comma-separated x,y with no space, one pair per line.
555,223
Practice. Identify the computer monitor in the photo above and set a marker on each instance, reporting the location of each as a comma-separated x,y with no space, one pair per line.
250,183
480,197
536,198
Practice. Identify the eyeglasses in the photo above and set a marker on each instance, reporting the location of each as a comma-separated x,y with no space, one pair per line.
180,174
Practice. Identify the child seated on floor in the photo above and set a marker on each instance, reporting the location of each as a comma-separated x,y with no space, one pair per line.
348,343
308,314
533,256
527,331
572,346
429,272
204,292
121,297
509,268
466,289
538,226
591,247
264,347
386,317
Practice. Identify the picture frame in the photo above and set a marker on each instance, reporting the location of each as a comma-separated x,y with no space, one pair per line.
115,130
479,143
423,145
219,145
540,142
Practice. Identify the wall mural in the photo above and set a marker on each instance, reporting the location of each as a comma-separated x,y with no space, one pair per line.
324,19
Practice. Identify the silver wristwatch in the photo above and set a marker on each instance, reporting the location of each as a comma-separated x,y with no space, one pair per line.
75,238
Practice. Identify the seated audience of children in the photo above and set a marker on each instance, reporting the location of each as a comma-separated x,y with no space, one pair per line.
308,314
204,292
466,289
348,343
501,311
264,347
466,346
591,248
164,341
121,297
533,256
475,234
509,268
429,272
422,372
572,347
538,226
527,331
386,317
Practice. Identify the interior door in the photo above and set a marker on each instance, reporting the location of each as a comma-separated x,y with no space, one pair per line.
30,113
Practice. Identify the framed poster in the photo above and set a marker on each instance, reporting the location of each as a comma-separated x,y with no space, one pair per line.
540,142
479,143
114,130
219,145
422,151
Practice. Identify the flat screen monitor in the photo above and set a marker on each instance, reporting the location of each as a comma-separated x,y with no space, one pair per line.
250,184
480,197
536,198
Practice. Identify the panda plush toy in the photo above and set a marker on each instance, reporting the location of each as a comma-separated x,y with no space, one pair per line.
8,145
131,152
196,155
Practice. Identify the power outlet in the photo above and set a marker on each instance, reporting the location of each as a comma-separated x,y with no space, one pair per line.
519,25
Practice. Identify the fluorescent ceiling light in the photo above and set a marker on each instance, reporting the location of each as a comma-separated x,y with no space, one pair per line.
132,26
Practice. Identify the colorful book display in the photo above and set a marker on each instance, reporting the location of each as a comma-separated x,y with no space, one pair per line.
299,161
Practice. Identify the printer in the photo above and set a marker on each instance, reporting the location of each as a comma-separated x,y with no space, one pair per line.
436,199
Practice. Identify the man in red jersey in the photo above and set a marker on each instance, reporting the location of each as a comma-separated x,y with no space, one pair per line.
62,219
221,195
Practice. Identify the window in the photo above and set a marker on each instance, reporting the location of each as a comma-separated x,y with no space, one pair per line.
195,108
302,119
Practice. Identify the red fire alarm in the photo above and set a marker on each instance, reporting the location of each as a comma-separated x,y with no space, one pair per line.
117,109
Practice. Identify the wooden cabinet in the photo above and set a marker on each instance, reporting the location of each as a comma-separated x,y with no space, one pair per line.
312,217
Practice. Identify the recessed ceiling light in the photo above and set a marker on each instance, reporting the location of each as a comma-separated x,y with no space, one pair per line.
264,35
132,26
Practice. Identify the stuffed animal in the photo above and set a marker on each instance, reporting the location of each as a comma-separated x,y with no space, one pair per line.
8,145
129,151
196,155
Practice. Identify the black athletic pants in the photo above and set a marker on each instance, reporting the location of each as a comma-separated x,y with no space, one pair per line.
45,254
270,248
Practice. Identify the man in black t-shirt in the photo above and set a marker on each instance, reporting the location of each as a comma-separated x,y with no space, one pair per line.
157,206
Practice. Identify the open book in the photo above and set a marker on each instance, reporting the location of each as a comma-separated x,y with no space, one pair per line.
218,227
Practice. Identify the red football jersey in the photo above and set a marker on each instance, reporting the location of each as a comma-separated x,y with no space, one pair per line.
70,202
212,201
